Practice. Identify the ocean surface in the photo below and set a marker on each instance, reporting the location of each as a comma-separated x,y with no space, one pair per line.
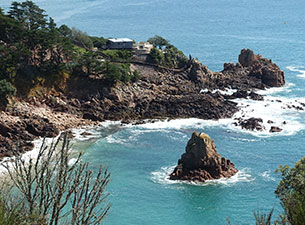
141,157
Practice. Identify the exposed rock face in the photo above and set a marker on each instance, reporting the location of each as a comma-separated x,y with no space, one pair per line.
201,161
18,135
262,68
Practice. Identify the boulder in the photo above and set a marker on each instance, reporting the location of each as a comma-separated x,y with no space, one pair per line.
251,123
201,161
275,129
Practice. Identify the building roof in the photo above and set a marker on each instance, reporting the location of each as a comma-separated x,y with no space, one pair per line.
120,40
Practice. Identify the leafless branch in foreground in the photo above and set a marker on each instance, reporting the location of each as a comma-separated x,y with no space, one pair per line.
59,191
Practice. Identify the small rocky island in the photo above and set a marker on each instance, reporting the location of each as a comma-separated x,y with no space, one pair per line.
201,162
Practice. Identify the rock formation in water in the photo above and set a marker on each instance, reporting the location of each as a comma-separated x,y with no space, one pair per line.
201,161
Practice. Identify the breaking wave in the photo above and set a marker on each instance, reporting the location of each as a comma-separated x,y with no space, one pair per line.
162,177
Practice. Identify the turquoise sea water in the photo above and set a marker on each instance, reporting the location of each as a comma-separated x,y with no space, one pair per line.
140,157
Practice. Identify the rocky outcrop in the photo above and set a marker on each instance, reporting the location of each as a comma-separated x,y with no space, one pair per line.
262,68
201,162
250,124
275,129
159,93
17,135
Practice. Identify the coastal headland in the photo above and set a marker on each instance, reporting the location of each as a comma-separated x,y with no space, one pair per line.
191,91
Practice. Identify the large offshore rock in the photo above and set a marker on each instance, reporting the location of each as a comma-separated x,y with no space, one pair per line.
201,161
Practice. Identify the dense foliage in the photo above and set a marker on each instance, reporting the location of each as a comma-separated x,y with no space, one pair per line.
169,57
166,54
291,192
115,72
33,48
6,90
158,42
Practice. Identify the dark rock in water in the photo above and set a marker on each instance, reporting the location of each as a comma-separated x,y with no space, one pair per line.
240,94
251,123
201,161
85,133
255,96
269,121
274,129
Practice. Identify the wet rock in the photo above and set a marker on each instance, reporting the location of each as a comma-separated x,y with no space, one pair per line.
255,96
85,133
201,161
274,129
251,123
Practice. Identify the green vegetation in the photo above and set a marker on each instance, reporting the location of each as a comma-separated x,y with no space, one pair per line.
99,42
115,72
291,192
165,54
6,90
158,42
33,48
118,55
52,190
169,57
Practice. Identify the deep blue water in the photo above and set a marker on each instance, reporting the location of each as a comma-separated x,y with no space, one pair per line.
139,157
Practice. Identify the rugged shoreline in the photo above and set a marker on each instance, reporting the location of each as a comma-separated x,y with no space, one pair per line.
159,93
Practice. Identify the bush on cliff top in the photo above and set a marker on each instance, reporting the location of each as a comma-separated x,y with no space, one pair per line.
166,54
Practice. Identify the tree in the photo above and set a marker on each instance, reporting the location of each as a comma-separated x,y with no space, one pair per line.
57,190
29,14
81,39
158,41
157,56
291,192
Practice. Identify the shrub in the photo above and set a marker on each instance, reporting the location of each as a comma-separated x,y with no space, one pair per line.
119,55
120,72
291,192
158,41
57,190
99,42
81,38
6,90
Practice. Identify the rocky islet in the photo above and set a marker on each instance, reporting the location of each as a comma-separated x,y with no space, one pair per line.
201,162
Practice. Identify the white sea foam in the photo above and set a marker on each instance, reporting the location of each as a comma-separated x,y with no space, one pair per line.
93,133
162,177
227,91
185,123
279,110
275,90
299,70
28,155
267,175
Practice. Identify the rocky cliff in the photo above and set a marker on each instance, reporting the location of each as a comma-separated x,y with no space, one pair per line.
193,91
201,162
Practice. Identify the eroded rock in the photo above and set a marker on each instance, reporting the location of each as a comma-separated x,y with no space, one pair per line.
201,161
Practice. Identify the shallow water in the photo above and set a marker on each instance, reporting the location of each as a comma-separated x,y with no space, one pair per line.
140,157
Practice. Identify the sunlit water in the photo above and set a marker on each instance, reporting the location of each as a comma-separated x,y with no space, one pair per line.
141,157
